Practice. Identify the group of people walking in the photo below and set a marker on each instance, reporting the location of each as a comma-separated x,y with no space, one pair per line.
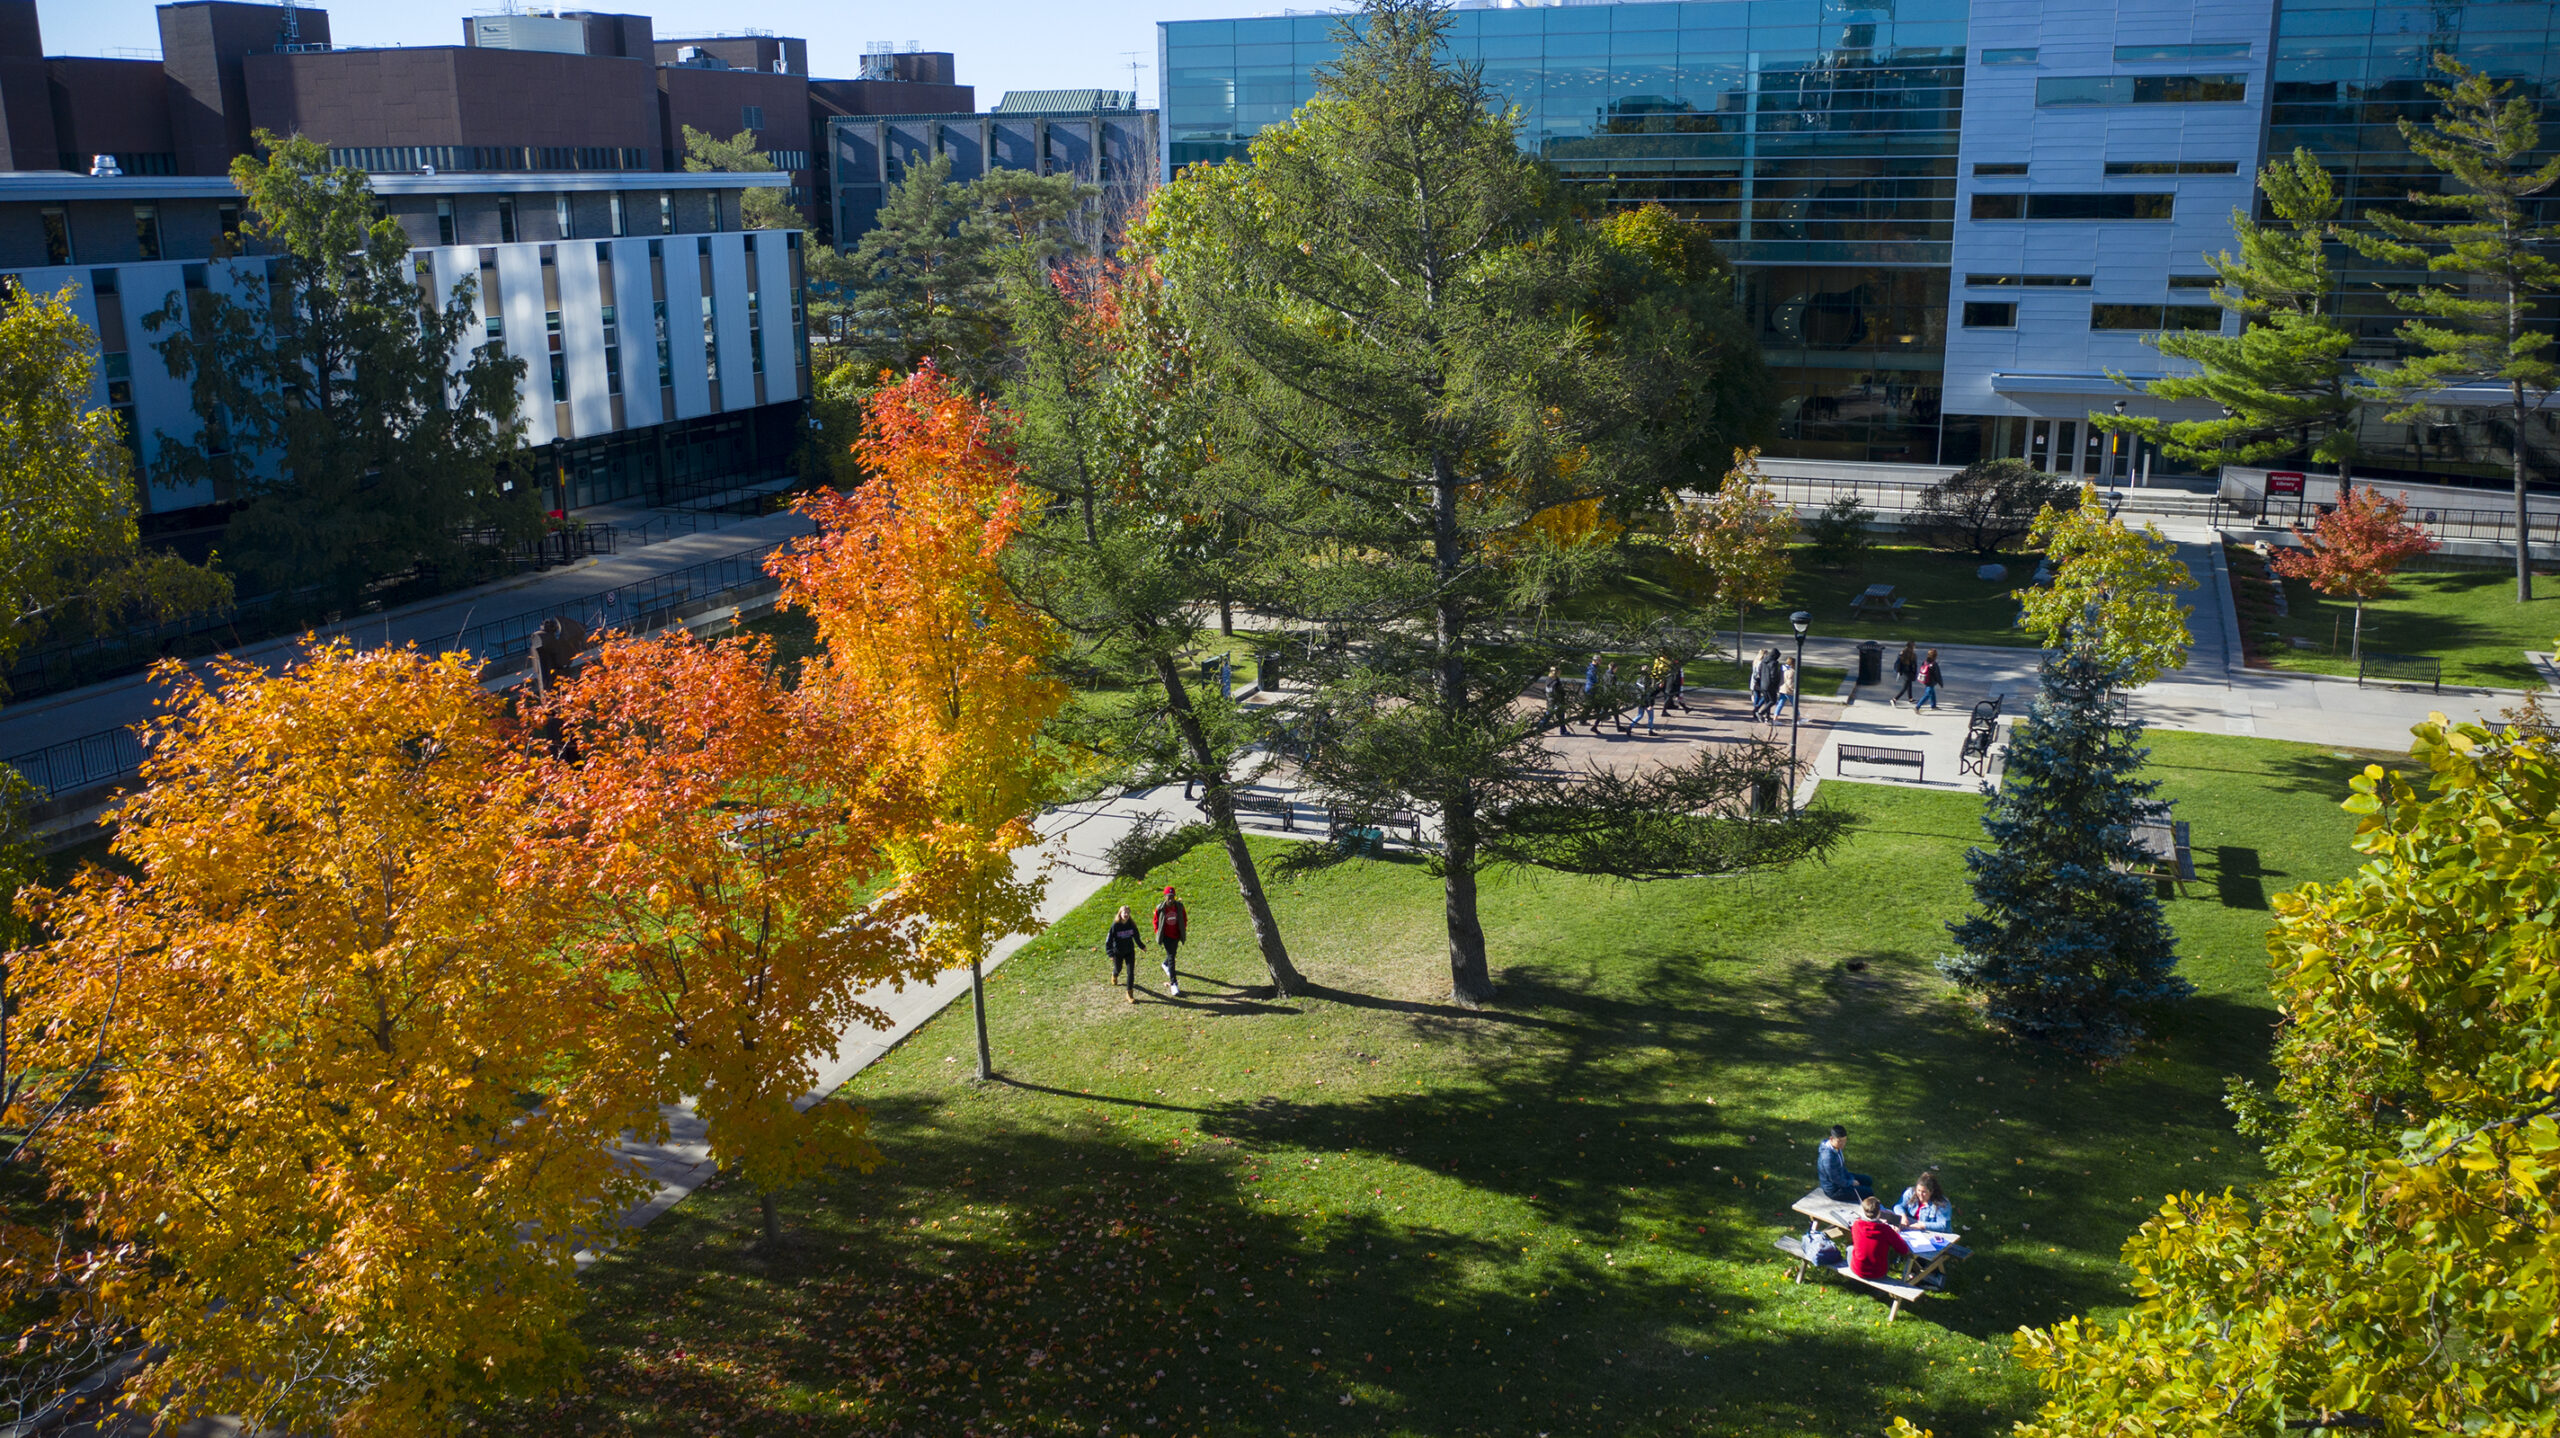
1914,669
1655,689
1122,943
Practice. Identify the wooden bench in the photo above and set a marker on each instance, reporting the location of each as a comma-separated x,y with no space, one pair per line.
2401,669
1244,804
1911,759
1793,1246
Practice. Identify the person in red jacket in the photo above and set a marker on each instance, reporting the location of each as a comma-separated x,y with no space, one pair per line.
1873,1243
1173,925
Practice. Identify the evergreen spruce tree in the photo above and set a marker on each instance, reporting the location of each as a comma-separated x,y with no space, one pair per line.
2284,381
2067,947
2497,251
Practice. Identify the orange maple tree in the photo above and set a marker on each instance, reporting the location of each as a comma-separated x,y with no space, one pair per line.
358,1108
724,829
2352,551
927,647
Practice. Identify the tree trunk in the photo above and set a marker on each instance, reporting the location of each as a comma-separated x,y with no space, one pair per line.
978,1005
1470,977
2355,636
2524,520
1221,808
772,1219
1226,612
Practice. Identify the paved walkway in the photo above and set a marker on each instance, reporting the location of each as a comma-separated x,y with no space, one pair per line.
55,718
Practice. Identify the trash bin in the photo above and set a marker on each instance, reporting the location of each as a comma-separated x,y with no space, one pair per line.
1871,663
1266,669
1764,794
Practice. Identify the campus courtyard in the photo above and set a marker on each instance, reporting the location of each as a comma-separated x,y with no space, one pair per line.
1362,1210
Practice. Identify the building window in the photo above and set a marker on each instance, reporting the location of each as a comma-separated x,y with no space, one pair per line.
710,334
1990,282
2064,90
2026,56
506,220
444,222
2005,167
2139,54
2173,167
2192,282
666,212
2155,317
613,204
716,225
751,116
227,217
2073,207
146,231
666,353
561,216
612,353
755,330
57,235
1990,315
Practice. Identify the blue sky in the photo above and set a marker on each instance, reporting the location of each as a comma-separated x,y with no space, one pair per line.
1002,44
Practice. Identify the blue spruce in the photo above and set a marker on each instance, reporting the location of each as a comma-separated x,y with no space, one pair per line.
2068,947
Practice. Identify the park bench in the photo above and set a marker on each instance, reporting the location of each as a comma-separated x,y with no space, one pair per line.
1911,759
1286,809
2401,669
1795,1246
1980,733
1337,819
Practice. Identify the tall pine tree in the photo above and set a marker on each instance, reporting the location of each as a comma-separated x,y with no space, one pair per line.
2497,249
2284,382
2068,948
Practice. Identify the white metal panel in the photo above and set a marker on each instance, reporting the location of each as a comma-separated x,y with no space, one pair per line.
729,286
520,304
453,265
781,354
162,403
639,334
582,338
684,330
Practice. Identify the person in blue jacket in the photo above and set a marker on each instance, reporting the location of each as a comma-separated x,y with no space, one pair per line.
1831,1170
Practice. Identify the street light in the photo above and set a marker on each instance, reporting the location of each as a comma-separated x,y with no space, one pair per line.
1795,710
2122,469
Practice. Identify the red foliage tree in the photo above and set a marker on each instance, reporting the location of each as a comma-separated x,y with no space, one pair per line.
2353,550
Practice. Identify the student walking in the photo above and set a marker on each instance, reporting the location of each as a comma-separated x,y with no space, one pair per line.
1764,683
1645,684
1931,676
1786,690
1906,664
1675,684
1173,925
1123,943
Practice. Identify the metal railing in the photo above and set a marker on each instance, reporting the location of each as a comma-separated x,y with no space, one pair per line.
81,763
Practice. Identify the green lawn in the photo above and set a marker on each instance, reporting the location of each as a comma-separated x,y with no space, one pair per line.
2469,618
1365,1211
1942,601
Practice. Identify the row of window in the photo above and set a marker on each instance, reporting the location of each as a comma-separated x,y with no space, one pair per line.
2066,206
417,159
2125,167
2071,282
59,249
2003,315
564,217
2133,54
2054,91
494,324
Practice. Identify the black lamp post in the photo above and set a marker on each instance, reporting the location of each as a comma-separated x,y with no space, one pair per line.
1795,708
2121,473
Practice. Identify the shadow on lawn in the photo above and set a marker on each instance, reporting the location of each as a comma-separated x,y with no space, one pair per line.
1105,1287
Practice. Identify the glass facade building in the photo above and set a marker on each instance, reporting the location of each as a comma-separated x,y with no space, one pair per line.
1944,211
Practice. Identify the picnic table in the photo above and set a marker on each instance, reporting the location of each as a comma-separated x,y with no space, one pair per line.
1876,599
2164,842
1836,1216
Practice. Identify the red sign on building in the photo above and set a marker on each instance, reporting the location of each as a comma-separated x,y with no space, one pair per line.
2284,481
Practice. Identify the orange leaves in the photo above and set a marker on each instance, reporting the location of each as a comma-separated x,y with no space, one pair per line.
332,1000
929,647
2353,550
725,828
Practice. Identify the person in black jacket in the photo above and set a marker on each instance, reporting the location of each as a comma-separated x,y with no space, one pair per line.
1123,943
1906,664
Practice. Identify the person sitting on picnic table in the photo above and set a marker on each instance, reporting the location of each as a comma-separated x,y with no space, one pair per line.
1873,1243
1831,1170
1925,1205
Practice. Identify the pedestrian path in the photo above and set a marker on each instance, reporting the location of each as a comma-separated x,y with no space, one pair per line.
432,623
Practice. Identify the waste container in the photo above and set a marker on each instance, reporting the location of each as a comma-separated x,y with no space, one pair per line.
1765,795
1266,669
1871,663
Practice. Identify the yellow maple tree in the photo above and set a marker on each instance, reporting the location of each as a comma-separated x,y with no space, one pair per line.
924,639
724,828
358,1106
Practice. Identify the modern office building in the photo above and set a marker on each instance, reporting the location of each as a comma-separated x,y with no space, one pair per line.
1955,220
1099,136
666,352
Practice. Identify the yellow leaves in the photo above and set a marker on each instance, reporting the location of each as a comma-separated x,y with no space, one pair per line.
1739,535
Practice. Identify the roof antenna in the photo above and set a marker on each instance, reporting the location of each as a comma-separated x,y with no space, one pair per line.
1134,67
